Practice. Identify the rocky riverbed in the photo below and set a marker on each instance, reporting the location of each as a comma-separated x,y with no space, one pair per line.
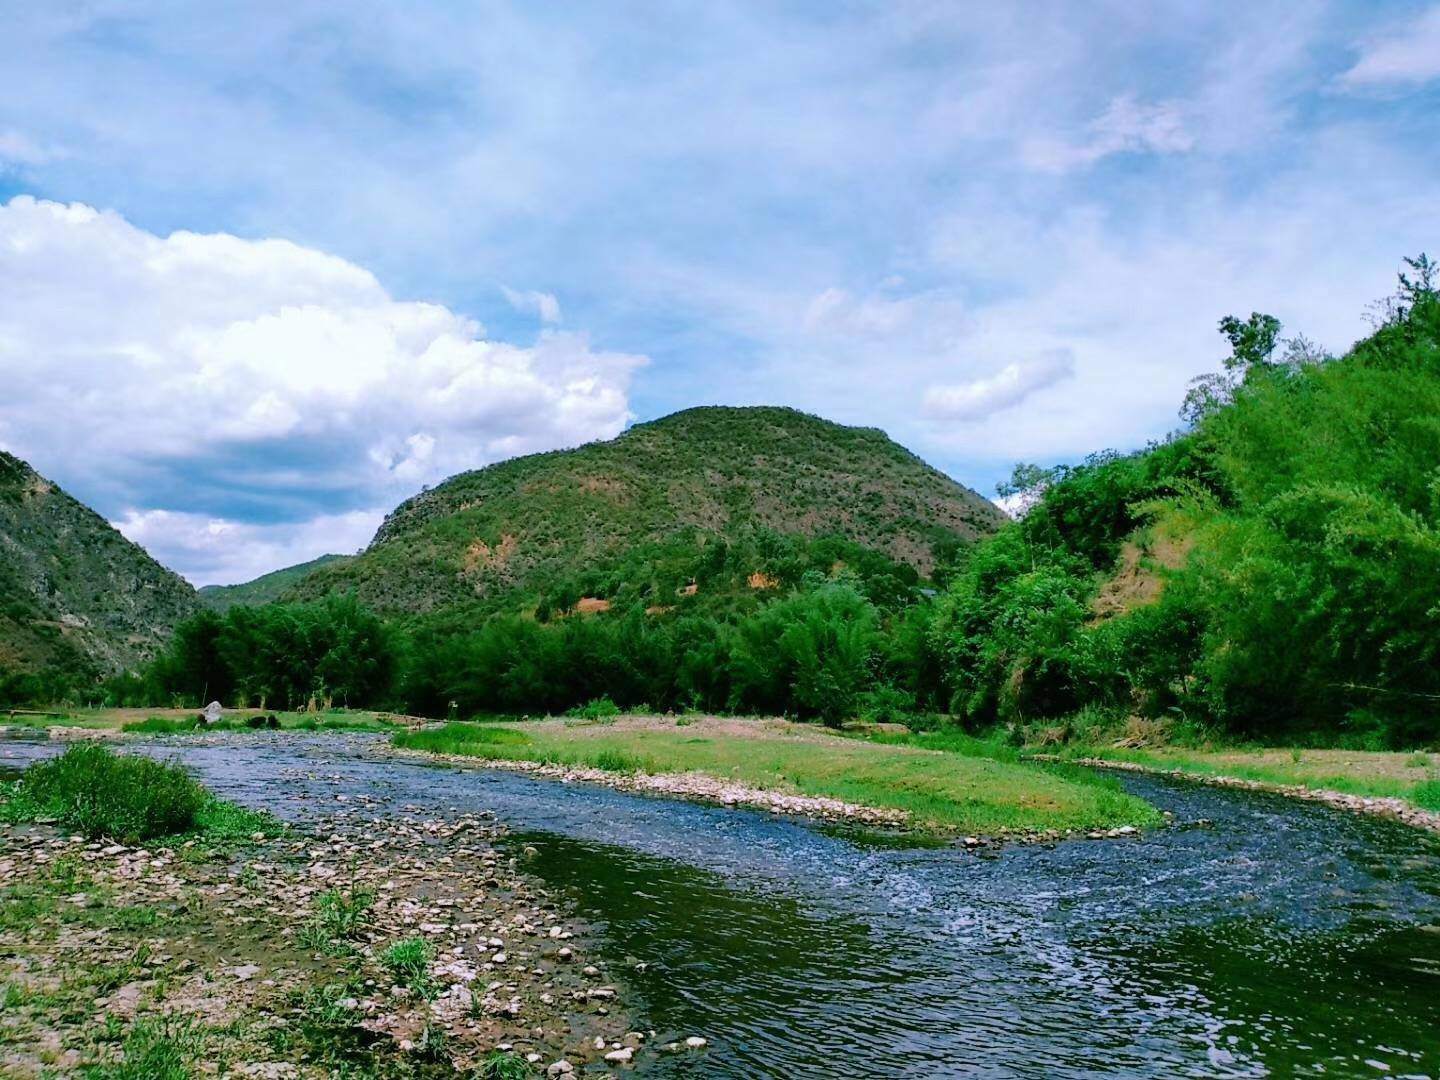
274,959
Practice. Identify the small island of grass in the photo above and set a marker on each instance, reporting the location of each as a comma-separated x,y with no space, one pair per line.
934,790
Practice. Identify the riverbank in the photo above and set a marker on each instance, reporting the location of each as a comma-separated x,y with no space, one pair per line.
795,768
1391,784
163,721
377,944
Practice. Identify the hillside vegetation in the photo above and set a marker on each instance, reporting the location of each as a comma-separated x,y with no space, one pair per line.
1268,572
653,509
265,589
1303,504
76,598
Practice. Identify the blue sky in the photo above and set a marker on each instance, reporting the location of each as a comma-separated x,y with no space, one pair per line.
266,269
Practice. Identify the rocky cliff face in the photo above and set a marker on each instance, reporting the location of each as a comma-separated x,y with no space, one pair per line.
75,595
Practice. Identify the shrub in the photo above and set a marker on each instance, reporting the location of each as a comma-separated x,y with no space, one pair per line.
602,708
126,798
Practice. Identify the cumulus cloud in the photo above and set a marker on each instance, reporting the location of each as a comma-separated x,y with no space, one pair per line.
1408,56
1007,388
235,380
214,550
541,304
1126,126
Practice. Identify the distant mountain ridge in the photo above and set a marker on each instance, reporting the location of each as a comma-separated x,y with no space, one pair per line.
708,471
75,595
265,589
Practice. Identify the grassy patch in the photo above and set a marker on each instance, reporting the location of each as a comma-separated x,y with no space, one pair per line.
502,1065
1351,772
102,794
94,791
189,724
408,961
163,1049
967,792
339,917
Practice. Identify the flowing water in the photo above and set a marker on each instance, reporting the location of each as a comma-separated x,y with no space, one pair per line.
1257,936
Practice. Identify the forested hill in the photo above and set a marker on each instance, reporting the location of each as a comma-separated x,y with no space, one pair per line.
1273,570
265,589
76,598
566,523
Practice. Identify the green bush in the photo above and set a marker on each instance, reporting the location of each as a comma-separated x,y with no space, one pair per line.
601,708
102,794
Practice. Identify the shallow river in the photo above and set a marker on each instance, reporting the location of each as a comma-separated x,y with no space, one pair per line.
1257,936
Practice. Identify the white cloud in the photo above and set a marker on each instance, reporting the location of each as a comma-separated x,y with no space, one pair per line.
1007,388
221,551
1126,126
260,380
541,304
1407,56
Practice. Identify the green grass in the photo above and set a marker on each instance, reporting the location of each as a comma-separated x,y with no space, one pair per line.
297,721
408,961
1426,795
1349,772
101,794
94,791
156,1050
500,1065
339,917
951,792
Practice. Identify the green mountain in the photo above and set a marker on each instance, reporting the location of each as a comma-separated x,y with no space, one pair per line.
653,501
75,595
265,589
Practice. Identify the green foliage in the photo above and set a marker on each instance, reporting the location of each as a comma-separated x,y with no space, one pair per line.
102,794
502,1065
156,1049
162,725
280,654
77,599
339,917
1308,500
408,961
679,500
810,655
602,708
267,589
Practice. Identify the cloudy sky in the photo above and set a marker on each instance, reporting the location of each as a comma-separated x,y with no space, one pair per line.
266,269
